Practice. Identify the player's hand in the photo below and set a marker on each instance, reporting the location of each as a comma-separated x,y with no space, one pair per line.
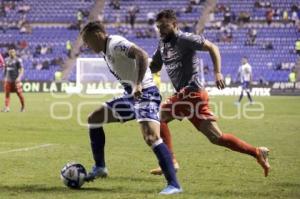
219,81
137,91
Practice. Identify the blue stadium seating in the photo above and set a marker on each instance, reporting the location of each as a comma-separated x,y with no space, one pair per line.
263,61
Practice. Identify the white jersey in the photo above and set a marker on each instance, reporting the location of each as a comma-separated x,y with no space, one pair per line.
121,66
245,72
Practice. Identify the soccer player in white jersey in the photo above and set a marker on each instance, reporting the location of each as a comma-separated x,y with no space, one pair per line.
245,75
141,101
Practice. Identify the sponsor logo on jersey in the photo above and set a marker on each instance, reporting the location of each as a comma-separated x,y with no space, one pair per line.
122,48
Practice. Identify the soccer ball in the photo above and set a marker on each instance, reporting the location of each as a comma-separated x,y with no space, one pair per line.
72,175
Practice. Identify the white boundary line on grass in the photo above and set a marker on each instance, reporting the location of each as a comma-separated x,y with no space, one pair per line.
27,148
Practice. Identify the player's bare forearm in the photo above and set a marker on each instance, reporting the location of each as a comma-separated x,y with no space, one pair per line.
215,55
142,63
216,58
21,73
141,60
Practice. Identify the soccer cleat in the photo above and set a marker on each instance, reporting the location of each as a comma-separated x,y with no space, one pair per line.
22,110
262,159
158,170
6,110
97,172
170,190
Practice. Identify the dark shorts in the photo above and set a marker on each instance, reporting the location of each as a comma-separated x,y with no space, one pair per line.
246,85
12,87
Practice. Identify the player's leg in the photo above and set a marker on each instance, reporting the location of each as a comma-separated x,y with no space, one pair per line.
7,89
7,101
244,84
147,109
117,110
205,122
249,96
19,92
150,130
211,130
96,120
241,96
165,134
165,118
247,89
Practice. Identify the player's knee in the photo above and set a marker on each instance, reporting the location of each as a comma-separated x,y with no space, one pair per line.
91,119
150,136
95,118
213,139
212,136
151,139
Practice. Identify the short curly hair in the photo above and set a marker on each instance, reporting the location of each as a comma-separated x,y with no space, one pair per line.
168,14
94,26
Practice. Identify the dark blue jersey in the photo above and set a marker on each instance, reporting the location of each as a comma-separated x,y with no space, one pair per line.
179,57
12,67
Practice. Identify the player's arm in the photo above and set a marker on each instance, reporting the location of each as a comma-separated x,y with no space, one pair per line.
251,76
215,55
21,71
156,62
198,42
141,60
130,50
239,74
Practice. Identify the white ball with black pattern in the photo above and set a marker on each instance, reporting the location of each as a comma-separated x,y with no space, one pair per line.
73,175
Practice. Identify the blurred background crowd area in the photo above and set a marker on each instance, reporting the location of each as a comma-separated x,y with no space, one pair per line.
45,32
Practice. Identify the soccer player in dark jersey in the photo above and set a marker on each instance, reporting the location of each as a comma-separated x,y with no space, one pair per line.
177,52
13,72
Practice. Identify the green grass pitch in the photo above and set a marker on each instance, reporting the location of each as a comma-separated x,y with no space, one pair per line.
207,171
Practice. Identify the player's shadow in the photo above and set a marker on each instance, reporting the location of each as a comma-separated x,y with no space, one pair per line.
38,188
53,189
134,179
287,185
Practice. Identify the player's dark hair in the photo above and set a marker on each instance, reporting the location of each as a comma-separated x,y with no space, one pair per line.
168,14
94,26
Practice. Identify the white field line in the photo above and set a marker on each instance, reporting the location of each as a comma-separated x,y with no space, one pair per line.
27,148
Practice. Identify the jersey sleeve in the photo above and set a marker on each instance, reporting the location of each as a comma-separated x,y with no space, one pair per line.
121,47
192,41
